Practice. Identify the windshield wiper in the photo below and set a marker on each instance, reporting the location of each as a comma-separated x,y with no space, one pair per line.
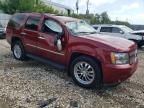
83,32
93,32
87,32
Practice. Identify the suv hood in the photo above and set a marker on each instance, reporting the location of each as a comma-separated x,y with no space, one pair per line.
115,42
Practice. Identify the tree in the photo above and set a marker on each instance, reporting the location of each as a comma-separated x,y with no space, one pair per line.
105,18
13,6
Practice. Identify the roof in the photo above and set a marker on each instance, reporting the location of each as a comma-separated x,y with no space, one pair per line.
62,18
109,25
57,4
66,19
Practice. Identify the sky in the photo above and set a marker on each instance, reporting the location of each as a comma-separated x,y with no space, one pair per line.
124,10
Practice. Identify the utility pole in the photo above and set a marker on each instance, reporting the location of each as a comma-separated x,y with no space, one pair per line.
77,5
87,11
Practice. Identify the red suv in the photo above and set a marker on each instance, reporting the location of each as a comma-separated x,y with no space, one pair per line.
68,43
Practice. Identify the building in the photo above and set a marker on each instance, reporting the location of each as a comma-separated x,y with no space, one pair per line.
61,8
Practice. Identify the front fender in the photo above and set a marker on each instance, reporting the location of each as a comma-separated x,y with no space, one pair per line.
86,50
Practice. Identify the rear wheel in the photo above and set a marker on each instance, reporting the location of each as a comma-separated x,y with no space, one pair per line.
86,72
18,50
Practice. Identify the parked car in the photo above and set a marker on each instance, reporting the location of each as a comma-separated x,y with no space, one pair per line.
92,60
2,32
138,32
120,31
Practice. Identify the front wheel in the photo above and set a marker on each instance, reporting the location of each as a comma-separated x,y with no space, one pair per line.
86,72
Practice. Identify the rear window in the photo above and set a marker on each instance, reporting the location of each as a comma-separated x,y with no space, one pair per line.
106,29
16,21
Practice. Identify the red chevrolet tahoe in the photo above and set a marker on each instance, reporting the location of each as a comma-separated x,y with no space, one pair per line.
67,43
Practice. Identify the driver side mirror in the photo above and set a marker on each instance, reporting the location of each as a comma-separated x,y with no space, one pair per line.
121,32
58,42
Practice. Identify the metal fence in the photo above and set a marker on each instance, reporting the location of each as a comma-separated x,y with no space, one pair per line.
4,18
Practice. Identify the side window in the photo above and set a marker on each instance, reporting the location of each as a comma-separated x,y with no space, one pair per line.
16,21
51,26
106,29
32,23
116,30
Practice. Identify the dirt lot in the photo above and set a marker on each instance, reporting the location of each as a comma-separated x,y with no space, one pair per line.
31,84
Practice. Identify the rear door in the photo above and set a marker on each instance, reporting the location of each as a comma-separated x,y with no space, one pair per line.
30,34
118,32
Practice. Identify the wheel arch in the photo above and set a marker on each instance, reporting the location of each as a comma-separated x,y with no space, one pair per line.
13,40
77,54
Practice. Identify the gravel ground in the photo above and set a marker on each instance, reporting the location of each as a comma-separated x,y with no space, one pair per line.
31,84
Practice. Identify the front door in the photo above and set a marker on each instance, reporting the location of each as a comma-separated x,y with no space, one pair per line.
46,41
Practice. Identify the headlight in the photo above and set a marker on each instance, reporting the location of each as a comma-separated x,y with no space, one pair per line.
119,58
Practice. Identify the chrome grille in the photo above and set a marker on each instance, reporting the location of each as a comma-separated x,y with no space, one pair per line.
133,56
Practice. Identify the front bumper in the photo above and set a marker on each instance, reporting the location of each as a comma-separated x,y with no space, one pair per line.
113,74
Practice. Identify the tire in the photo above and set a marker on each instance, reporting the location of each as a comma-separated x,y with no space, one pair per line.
140,46
18,50
89,76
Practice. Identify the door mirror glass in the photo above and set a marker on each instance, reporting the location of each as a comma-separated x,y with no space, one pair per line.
121,32
54,26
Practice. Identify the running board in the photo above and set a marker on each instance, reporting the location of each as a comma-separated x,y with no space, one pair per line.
48,62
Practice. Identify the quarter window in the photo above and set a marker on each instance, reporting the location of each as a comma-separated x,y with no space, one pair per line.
16,21
32,23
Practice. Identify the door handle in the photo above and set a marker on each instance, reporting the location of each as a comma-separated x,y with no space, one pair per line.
40,37
23,33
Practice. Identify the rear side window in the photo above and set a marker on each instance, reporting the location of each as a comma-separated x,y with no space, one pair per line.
16,21
106,29
32,23
95,28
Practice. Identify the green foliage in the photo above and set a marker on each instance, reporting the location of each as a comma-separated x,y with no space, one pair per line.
121,23
94,18
13,6
102,18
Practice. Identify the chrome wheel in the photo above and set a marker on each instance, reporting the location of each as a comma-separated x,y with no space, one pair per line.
17,51
84,73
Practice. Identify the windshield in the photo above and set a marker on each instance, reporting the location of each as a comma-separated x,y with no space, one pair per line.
127,29
80,27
